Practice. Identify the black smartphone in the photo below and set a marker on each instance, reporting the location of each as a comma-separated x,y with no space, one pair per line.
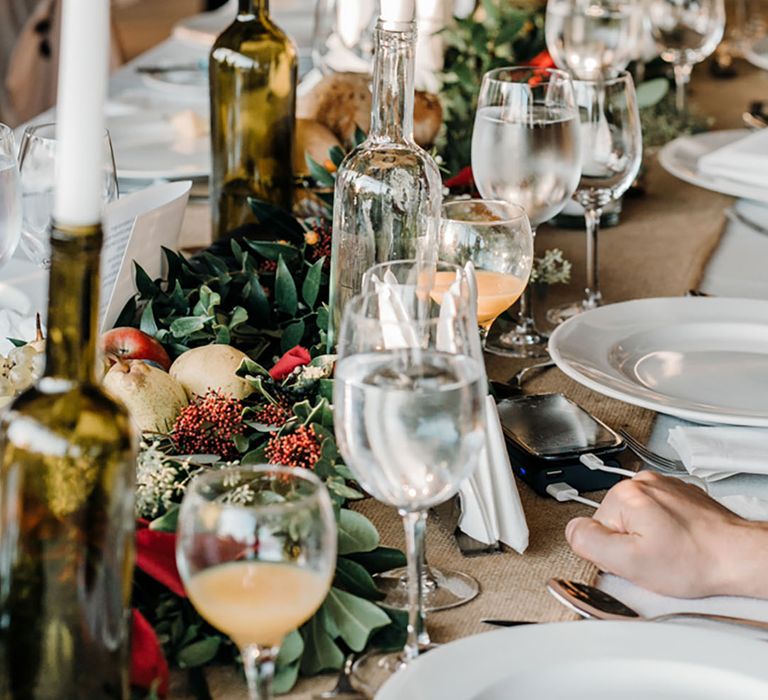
547,433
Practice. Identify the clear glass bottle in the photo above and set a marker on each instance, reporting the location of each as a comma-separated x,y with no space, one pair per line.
388,190
253,105
67,464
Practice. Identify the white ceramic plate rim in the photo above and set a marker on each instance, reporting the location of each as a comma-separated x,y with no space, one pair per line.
757,53
671,162
621,387
464,668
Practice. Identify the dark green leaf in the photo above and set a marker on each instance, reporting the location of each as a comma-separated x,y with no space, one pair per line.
166,522
16,342
380,559
148,324
319,174
144,284
336,154
292,335
311,287
321,653
291,649
355,618
257,300
128,314
353,578
199,653
282,223
285,678
272,251
286,298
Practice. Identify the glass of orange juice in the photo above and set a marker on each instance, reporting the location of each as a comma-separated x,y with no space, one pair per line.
496,238
256,550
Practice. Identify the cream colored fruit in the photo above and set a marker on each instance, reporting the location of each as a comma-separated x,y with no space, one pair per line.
153,398
211,368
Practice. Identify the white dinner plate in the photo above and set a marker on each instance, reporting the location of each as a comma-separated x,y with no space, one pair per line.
701,359
589,661
184,83
681,158
148,147
757,53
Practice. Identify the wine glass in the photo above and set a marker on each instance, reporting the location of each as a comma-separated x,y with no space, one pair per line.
593,38
443,588
409,421
612,150
37,163
256,551
525,150
686,32
10,197
496,238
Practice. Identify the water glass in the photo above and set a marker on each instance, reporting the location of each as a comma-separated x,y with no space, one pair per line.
256,550
409,421
686,32
593,38
612,149
525,150
37,165
10,196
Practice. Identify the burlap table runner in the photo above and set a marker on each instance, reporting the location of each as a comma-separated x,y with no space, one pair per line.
660,249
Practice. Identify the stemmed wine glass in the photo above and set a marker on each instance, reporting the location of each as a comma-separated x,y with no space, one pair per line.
10,197
612,150
443,588
496,238
525,150
37,163
593,38
686,32
256,551
409,421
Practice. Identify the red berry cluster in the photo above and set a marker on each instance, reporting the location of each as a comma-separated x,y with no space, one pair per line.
318,240
209,425
300,448
268,267
271,414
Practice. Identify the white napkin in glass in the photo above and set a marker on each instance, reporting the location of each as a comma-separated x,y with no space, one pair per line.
746,160
717,452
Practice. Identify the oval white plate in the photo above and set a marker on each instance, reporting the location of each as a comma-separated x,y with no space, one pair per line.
681,158
757,53
702,359
589,661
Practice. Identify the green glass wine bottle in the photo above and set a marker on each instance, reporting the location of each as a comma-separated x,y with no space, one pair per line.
252,69
67,465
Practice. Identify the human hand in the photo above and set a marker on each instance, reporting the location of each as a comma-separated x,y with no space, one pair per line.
672,538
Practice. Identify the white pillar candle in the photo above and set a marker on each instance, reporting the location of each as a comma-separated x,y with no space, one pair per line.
397,11
83,72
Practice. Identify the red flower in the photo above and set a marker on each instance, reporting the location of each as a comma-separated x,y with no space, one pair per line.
463,180
300,448
295,357
209,425
156,557
148,664
542,60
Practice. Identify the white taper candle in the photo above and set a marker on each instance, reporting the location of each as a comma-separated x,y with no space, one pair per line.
83,72
394,12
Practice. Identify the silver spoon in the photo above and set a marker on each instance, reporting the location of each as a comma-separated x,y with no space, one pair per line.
594,604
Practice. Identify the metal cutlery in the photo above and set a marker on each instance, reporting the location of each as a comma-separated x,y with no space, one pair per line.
755,117
651,458
178,68
593,604
343,687
739,218
508,623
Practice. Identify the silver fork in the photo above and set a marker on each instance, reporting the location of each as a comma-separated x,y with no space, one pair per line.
663,464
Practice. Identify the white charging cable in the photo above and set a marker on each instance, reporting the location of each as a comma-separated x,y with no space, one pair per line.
596,464
563,492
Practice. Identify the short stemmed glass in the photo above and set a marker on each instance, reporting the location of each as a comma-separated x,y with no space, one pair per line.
37,164
10,196
256,550
409,420
525,150
443,588
593,38
612,150
496,238
686,32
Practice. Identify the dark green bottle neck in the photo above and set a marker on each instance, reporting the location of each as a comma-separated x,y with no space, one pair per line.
73,304
253,7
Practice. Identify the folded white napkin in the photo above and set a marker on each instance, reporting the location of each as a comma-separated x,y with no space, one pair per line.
717,452
746,160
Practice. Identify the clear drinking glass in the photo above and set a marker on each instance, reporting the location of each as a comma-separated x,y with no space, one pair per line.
686,32
593,38
496,238
37,164
409,419
525,150
443,588
256,550
10,196
612,150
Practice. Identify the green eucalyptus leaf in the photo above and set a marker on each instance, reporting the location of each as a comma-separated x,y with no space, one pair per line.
355,617
380,559
253,293
238,317
321,653
147,323
199,653
356,533
651,92
285,678
166,522
353,578
286,298
186,325
291,649
292,335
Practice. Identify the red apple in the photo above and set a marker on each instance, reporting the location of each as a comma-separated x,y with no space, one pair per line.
133,344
